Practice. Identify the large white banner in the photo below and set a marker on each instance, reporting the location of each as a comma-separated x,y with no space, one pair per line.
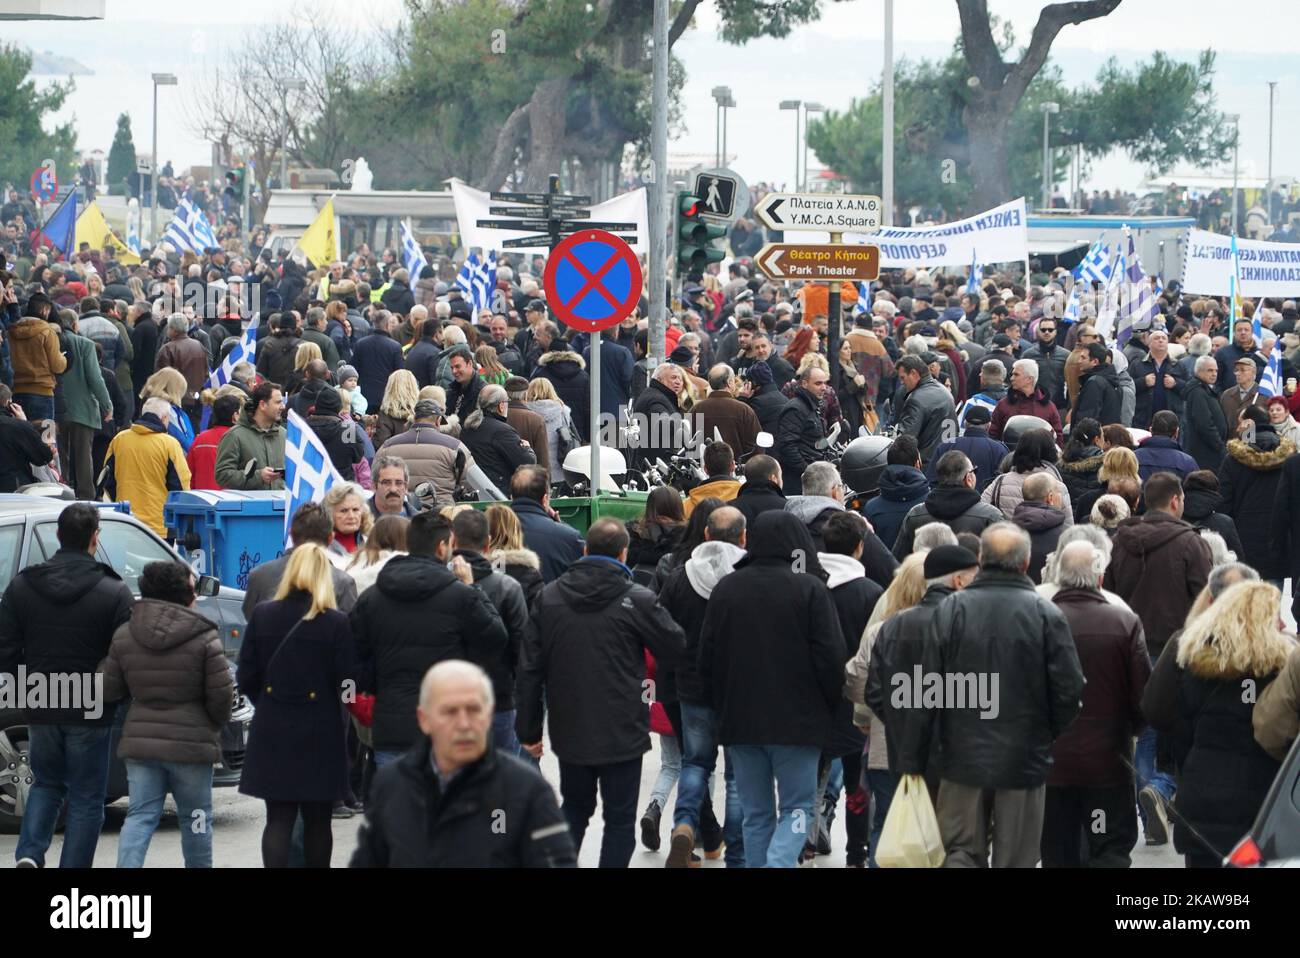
472,206
1264,269
1000,235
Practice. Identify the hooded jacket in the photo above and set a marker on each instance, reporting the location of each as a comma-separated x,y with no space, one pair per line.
416,615
855,597
58,618
685,596
901,488
1159,566
815,511
1044,524
1248,481
566,371
142,466
170,662
773,670
1099,396
957,507
248,441
36,356
586,658
1199,508
1078,470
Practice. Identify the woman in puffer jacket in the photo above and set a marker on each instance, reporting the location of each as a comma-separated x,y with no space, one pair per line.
1035,452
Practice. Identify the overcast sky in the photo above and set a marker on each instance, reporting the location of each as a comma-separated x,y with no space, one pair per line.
830,62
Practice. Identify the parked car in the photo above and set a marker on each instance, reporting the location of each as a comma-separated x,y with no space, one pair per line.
28,527
1274,839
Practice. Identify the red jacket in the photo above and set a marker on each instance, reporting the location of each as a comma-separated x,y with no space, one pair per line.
1016,403
202,458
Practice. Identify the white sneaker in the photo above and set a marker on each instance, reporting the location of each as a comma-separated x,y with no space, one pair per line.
26,863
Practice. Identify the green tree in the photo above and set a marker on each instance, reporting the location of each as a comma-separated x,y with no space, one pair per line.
24,142
121,157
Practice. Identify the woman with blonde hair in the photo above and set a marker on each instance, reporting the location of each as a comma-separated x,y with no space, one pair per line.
387,539
95,285
1116,477
1203,697
169,384
304,354
136,285
346,504
561,434
506,551
401,393
295,659
489,366
904,592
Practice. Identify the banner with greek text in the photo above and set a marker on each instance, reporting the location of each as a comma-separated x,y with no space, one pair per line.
1265,269
1000,235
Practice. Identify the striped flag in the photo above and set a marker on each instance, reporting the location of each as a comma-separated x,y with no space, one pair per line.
1095,265
863,305
477,279
412,255
308,470
1141,303
976,269
1071,314
245,351
1270,384
189,230
1107,314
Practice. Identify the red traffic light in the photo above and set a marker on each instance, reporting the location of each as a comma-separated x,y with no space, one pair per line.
692,210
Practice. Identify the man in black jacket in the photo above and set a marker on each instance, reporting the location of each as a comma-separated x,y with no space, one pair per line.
21,446
491,439
470,540
1205,428
822,499
996,637
1099,390
376,357
462,394
762,489
57,621
586,659
276,353
928,412
763,396
453,801
800,429
311,522
417,614
423,357
660,425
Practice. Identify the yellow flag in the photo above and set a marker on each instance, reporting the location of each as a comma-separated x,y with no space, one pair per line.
320,243
92,228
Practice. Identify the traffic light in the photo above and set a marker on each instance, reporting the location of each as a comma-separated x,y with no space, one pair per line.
235,182
695,235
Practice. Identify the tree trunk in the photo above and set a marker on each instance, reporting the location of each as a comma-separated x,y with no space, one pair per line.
546,126
986,129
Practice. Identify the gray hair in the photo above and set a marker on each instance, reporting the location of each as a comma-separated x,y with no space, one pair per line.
157,406
1228,574
1004,546
1220,554
453,335
1080,532
455,669
315,317
742,310
244,372
820,479
442,310
177,323
1205,362
1079,565
915,345
931,536
391,462
491,396
1026,367
993,372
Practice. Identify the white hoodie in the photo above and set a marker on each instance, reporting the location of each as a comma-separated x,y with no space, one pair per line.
709,562
841,568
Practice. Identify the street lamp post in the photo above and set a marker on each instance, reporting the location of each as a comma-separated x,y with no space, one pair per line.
808,108
1235,118
1272,84
1048,109
727,104
159,79
794,105
721,97
291,83
887,124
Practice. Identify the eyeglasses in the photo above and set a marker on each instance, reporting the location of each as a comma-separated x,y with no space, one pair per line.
1047,329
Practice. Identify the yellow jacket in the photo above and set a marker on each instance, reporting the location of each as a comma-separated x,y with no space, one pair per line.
725,489
143,464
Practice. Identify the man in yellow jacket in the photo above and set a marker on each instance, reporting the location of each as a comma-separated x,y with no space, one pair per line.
144,463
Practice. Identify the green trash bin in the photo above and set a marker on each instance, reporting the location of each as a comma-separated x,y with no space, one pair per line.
580,512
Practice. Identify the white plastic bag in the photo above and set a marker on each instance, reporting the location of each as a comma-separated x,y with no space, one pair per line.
910,838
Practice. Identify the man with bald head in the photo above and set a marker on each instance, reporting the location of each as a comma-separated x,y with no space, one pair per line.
996,638
733,421
453,801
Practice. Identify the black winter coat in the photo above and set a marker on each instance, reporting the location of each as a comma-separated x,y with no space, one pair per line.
496,813
59,617
422,361
957,507
296,746
496,448
586,659
1078,470
799,429
275,357
767,404
998,627
1248,481
1099,396
1199,507
376,357
398,298
21,448
416,615
758,497
1204,427
647,548
463,399
927,413
507,597
773,670
653,409
1286,517
332,432
1144,409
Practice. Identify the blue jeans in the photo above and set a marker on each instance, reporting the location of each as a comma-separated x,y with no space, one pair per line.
791,770
1144,761
505,740
670,769
881,782
191,785
699,758
35,407
69,762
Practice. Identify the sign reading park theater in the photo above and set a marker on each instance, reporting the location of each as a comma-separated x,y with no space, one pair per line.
1264,269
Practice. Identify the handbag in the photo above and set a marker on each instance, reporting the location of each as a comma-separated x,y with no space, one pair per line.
910,838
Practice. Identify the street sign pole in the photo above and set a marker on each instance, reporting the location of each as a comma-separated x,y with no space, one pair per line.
658,212
834,313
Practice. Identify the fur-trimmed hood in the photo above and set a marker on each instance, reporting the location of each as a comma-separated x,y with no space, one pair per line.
559,356
1081,466
524,557
1261,459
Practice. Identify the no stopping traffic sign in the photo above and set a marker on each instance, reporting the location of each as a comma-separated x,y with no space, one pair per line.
592,280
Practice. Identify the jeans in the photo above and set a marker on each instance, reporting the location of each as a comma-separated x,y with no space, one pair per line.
620,785
699,758
882,783
504,738
35,407
191,785
772,841
68,762
1144,760
670,769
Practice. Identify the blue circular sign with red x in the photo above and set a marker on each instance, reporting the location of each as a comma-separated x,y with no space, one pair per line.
592,280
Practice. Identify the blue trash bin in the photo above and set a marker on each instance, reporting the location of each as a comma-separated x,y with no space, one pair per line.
227,533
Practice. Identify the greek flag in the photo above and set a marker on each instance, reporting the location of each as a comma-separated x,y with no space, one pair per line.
1270,384
308,471
412,255
863,305
477,279
244,352
976,269
1108,312
190,230
1095,265
1071,314
1140,302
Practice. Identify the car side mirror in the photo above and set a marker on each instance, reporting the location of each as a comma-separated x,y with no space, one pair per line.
208,586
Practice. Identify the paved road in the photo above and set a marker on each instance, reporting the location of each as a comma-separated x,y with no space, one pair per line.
238,821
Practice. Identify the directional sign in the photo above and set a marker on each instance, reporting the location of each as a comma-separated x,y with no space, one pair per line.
540,199
598,225
517,210
514,224
526,242
830,262
592,280
724,197
824,212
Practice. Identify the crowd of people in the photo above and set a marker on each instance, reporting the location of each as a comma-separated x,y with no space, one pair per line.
1097,533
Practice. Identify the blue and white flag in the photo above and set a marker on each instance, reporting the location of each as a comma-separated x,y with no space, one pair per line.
1270,384
189,230
245,351
308,470
477,279
976,270
1140,302
412,255
863,305
1071,314
1095,265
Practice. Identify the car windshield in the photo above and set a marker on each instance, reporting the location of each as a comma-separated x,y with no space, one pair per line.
128,549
